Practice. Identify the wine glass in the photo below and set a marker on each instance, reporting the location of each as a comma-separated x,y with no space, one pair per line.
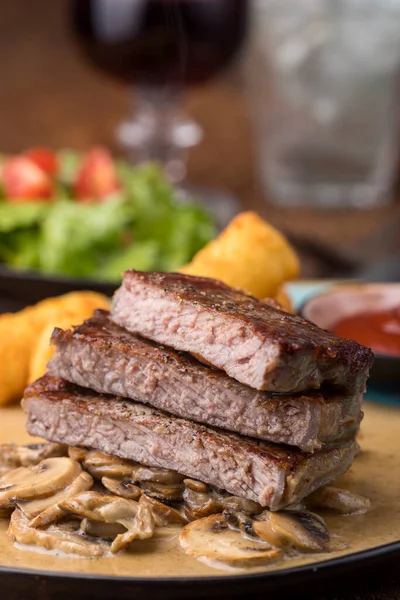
159,47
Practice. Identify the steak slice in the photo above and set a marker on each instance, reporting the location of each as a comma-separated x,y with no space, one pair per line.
252,341
272,475
101,355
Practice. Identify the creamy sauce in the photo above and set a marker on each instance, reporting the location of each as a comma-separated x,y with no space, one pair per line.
40,550
375,474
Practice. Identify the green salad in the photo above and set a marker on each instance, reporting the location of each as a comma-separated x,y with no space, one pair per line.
81,222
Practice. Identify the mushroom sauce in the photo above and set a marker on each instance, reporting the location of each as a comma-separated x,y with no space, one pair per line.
375,474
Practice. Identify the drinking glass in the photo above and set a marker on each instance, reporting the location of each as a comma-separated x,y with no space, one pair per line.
160,47
324,78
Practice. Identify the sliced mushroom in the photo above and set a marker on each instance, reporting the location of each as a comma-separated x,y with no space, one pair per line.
137,519
107,531
13,456
166,533
33,508
163,514
140,527
9,457
263,529
44,479
194,498
196,486
101,507
339,500
240,504
64,538
210,538
202,504
78,454
305,531
157,475
54,512
33,454
239,520
167,492
198,504
211,507
101,465
124,488
299,506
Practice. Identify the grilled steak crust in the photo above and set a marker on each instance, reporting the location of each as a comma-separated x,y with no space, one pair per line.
101,355
253,342
272,475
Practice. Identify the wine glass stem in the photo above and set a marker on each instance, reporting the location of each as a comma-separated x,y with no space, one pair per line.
159,130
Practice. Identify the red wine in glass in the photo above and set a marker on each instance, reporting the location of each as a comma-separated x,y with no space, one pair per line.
159,47
159,42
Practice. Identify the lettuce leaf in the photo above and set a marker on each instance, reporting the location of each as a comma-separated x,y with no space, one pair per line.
146,226
180,228
189,229
68,161
21,216
20,233
140,255
22,250
76,239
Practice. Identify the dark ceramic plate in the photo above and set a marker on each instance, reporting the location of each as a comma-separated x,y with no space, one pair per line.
360,572
328,308
345,577
18,289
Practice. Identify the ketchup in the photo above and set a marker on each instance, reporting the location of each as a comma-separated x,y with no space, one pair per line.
377,330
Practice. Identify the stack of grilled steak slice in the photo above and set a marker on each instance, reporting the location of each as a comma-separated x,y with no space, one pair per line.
191,375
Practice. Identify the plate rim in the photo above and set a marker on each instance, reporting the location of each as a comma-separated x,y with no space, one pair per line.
322,568
57,278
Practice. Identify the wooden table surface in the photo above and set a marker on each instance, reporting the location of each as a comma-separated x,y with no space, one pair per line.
49,96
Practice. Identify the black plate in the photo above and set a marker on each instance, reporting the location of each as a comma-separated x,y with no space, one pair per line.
20,288
359,571
385,371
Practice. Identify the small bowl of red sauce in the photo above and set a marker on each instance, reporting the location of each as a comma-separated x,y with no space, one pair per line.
368,314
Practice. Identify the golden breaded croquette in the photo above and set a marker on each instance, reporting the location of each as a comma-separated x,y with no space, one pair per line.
42,351
20,331
283,298
249,254
79,303
16,340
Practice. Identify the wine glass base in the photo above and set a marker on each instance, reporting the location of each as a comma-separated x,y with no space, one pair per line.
159,131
